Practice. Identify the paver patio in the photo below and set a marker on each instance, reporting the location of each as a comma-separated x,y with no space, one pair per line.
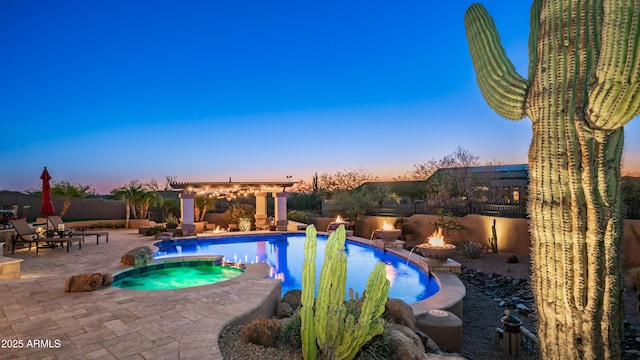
44,322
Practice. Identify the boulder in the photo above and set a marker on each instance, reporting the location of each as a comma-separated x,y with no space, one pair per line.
409,333
107,279
293,298
283,310
137,257
406,348
87,282
430,346
399,312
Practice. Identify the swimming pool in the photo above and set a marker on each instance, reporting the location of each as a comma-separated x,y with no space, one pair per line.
284,253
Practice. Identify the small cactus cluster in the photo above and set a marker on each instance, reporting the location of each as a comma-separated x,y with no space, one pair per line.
472,249
262,331
326,323
493,240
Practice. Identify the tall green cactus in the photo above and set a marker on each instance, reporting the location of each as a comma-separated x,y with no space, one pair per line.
337,334
583,86
493,240
308,332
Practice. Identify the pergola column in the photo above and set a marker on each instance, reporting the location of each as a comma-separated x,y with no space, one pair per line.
187,205
281,210
261,210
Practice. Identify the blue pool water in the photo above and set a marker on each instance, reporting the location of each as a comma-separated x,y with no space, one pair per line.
284,253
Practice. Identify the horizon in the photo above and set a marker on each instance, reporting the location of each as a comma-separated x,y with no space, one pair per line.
102,94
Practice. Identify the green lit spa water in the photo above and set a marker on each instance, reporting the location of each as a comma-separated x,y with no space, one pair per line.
177,277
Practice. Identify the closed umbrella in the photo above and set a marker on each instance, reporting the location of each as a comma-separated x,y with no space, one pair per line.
47,208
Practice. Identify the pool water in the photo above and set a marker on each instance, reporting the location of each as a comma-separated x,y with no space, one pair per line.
176,277
285,254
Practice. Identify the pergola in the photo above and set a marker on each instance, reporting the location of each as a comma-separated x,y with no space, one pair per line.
231,189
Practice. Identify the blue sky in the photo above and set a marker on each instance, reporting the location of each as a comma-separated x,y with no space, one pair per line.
107,92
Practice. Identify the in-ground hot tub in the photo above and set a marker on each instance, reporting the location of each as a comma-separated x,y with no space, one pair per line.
176,274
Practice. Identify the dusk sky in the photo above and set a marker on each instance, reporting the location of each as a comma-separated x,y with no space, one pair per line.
104,92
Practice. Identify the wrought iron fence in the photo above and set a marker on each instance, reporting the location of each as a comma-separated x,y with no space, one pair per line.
516,210
508,210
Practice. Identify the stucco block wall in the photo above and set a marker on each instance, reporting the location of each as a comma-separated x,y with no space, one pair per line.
513,234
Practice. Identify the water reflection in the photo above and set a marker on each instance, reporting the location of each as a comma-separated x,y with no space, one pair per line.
285,254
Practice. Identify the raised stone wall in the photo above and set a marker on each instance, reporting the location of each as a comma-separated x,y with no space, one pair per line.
513,234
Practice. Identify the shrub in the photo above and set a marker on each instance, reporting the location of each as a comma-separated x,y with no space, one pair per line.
262,331
472,249
380,347
155,230
291,334
237,212
298,216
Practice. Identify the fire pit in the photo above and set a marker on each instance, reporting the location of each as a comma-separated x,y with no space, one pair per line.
335,224
387,233
436,248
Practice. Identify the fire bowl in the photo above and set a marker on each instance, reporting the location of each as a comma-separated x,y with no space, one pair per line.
438,253
386,235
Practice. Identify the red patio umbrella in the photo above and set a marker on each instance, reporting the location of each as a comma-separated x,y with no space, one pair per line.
47,208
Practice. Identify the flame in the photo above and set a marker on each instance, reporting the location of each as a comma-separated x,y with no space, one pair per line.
339,219
386,226
436,239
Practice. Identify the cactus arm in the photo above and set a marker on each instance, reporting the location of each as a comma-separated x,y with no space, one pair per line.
330,309
614,99
502,87
309,346
369,323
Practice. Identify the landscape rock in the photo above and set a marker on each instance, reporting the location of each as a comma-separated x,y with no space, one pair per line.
399,312
406,348
137,257
430,346
516,294
87,282
410,334
293,298
283,310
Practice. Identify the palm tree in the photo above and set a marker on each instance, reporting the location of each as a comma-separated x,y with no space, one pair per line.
68,190
131,193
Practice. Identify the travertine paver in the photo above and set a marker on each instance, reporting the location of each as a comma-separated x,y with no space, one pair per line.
38,320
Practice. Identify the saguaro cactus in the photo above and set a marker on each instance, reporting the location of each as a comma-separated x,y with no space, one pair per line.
338,334
493,240
583,86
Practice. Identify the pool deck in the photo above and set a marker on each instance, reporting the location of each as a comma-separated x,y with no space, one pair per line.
114,323
44,322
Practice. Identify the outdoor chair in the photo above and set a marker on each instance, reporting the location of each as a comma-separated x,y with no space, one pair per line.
27,234
56,221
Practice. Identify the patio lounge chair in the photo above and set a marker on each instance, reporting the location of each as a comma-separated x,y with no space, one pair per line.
56,221
27,234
